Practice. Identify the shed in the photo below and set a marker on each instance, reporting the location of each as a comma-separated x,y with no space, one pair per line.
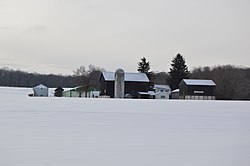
197,89
41,91
94,94
74,92
134,83
175,94
147,95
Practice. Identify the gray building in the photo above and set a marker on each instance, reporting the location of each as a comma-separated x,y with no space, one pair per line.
41,91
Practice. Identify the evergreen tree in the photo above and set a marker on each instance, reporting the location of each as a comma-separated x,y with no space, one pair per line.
144,67
178,71
58,91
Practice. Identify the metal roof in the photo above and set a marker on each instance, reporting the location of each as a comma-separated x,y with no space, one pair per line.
199,82
130,77
40,86
161,86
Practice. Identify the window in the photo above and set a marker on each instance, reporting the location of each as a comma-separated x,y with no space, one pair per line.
163,97
199,91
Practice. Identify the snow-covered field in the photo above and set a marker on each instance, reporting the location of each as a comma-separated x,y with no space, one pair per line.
109,132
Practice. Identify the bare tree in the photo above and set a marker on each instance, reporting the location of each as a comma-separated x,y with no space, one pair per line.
89,79
160,78
232,82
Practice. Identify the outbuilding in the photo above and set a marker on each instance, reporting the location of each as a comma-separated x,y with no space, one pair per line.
79,92
41,91
74,92
175,94
197,89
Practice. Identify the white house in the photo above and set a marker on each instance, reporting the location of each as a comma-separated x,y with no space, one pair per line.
162,91
41,91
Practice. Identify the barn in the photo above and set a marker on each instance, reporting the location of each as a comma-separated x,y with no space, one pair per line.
197,89
134,83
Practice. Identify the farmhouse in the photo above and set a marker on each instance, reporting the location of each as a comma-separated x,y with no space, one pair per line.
158,92
41,91
162,91
133,84
196,89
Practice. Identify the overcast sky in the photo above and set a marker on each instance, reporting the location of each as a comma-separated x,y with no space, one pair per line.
57,36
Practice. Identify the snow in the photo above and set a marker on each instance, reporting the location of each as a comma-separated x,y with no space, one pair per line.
199,82
133,77
121,132
176,90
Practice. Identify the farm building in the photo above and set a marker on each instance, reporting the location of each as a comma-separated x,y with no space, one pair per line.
162,91
196,89
74,92
133,84
94,94
79,92
41,91
159,92
175,94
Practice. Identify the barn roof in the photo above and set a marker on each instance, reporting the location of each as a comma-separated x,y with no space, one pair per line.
199,82
131,77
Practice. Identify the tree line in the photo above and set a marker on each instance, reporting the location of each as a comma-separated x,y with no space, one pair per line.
18,78
233,82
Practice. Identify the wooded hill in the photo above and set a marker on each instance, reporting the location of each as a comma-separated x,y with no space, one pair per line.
18,78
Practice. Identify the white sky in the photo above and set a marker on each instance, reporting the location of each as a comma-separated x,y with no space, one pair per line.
57,36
